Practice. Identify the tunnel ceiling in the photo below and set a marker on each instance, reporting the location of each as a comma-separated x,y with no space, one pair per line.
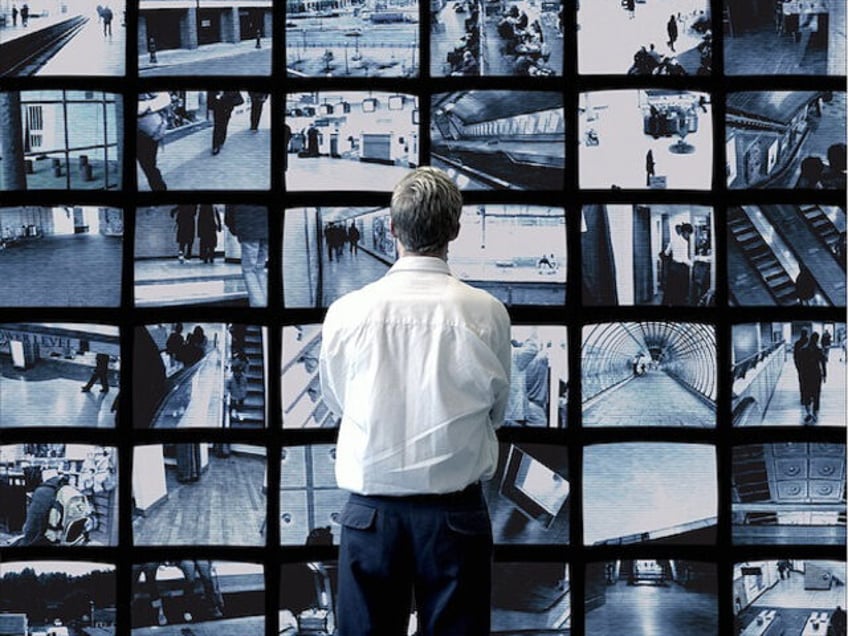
675,340
473,107
778,106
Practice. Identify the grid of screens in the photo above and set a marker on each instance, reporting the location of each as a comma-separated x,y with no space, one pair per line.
654,188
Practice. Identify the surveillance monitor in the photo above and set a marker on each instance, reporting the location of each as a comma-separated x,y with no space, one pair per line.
788,373
59,374
61,140
368,142
638,480
499,139
645,139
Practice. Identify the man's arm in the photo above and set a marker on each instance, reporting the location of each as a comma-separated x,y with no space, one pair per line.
328,368
503,351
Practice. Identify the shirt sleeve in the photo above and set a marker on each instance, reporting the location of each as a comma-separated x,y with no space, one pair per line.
329,367
503,351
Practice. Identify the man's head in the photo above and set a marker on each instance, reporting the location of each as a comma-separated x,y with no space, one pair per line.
425,211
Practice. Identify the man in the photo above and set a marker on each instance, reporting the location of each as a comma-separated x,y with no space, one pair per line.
797,358
100,372
249,224
417,364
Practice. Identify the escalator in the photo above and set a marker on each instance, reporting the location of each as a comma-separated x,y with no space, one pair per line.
822,226
253,411
760,255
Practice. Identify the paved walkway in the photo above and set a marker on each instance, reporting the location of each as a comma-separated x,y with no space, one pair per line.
221,58
244,162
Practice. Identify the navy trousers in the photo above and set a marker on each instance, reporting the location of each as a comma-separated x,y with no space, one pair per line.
438,547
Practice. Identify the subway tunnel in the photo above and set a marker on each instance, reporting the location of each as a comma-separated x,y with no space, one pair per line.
672,363
494,140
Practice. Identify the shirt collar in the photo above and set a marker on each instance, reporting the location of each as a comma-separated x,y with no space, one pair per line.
432,264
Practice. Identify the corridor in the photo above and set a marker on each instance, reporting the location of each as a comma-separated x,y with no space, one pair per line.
626,404
784,408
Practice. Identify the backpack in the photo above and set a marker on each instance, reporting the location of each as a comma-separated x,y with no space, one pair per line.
69,518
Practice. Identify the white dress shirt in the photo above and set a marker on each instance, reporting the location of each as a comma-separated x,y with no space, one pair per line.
417,364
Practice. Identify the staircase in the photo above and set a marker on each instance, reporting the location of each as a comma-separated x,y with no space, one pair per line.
760,255
821,225
253,411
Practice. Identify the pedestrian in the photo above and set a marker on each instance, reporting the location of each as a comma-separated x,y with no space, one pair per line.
208,226
237,390
353,235
677,265
221,103
152,125
837,622
797,358
107,21
826,341
812,168
814,370
257,101
417,365
249,224
185,221
286,141
174,343
671,27
805,286
649,167
14,15
24,14
100,372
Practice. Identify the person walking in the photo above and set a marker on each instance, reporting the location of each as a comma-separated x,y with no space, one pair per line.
150,132
14,15
353,236
417,365
100,372
208,226
185,218
797,358
107,21
671,27
249,224
257,101
221,103
24,14
814,369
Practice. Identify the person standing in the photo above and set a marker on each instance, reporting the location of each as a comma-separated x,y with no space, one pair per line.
107,21
257,101
185,216
814,369
14,15
671,27
249,224
826,341
101,373
649,167
208,226
221,103
417,365
24,14
677,266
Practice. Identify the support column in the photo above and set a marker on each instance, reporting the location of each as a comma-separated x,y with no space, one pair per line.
12,166
188,29
142,34
230,26
268,26
120,122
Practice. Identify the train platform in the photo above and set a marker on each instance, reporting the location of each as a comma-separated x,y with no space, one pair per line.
87,52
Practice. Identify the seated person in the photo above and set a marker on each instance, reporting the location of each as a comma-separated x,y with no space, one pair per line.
467,66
